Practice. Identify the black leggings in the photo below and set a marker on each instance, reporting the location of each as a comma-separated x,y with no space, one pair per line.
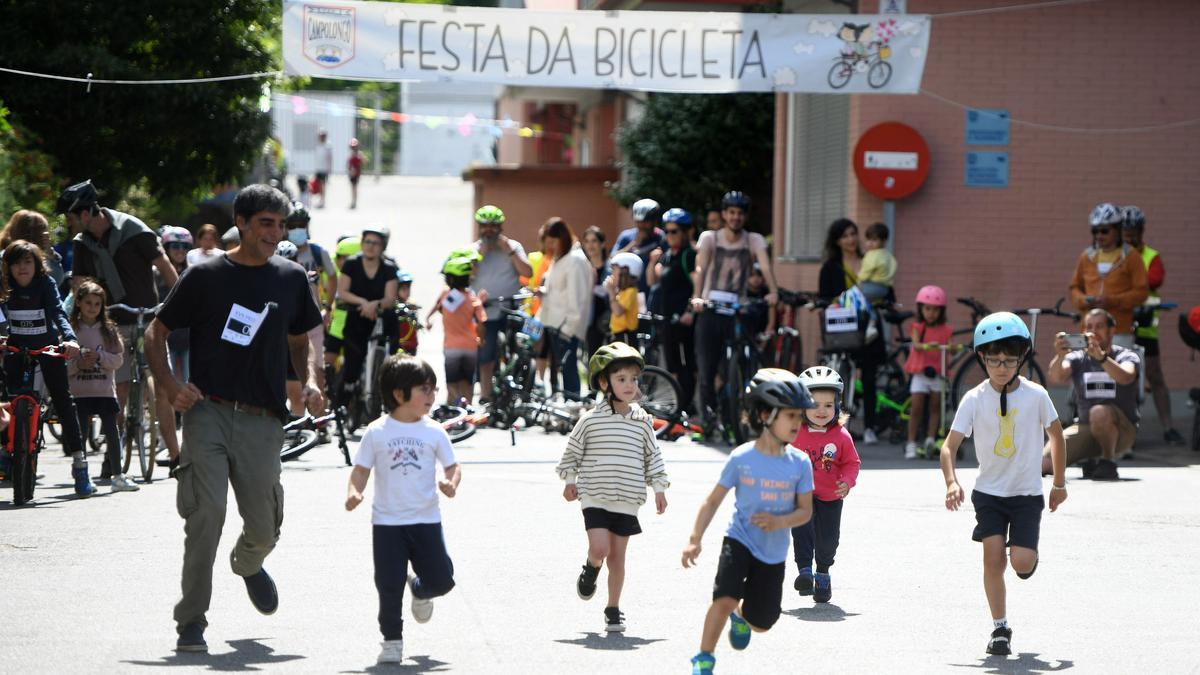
869,359
355,337
679,351
106,409
54,374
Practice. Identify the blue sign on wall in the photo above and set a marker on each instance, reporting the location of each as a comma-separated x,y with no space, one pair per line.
987,126
987,169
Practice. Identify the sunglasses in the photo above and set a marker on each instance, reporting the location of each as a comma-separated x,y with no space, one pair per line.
178,246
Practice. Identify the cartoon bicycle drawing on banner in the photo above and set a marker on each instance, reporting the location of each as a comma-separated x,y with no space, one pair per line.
865,49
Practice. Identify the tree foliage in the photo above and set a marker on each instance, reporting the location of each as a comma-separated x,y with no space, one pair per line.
689,149
26,173
178,140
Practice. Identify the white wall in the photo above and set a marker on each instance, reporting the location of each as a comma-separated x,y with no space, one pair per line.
299,132
444,151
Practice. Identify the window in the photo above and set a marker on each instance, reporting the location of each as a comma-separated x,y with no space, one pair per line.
818,159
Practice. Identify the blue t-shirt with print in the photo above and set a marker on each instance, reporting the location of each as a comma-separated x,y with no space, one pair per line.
764,483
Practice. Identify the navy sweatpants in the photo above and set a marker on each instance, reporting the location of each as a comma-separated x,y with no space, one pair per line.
395,547
819,535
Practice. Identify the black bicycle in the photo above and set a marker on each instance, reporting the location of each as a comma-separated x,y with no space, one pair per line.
24,438
741,360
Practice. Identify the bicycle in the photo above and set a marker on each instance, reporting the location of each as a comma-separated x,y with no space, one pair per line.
364,403
24,437
786,349
879,71
741,361
141,416
303,434
972,373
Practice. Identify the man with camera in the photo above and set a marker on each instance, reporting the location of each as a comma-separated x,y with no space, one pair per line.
1105,379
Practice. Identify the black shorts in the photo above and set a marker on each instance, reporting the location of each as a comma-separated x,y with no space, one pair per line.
620,524
1148,344
333,345
757,584
1018,519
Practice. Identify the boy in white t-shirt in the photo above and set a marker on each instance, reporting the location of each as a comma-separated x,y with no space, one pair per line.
1008,416
407,524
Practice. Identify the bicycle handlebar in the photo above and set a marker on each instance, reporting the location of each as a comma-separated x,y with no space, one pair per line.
514,298
140,311
48,350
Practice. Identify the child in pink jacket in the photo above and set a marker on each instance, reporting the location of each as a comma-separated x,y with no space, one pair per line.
835,465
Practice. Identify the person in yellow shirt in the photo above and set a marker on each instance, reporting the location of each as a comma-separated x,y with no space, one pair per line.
623,297
878,271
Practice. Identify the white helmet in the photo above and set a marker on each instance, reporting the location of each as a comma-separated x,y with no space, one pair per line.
629,261
1106,214
286,249
822,377
643,209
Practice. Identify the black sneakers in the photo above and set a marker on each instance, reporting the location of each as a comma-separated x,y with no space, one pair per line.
999,644
191,639
1106,469
261,589
586,585
804,581
614,620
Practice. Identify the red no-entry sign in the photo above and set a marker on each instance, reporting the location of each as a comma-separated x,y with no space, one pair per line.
891,160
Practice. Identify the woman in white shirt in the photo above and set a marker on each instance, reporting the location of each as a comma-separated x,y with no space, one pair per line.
566,300
207,240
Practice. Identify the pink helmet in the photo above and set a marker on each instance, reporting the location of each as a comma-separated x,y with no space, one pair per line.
932,295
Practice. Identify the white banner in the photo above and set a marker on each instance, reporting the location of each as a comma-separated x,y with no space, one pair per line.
649,51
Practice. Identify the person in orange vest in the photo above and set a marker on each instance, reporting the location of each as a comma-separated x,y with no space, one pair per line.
1146,333
1109,274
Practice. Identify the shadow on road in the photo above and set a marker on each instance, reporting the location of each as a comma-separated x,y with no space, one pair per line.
246,655
1025,663
618,642
821,612
412,664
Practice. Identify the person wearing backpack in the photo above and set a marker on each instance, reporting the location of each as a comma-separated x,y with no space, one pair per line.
670,273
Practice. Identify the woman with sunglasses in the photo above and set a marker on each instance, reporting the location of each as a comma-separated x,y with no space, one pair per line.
671,273
1110,274
369,287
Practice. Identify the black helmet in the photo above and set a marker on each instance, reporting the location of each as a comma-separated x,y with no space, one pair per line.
299,214
77,197
779,388
736,198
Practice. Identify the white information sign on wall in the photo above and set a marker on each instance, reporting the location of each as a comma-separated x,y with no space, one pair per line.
648,51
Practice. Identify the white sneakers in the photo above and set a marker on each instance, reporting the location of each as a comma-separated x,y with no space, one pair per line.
869,437
392,651
422,610
122,484
910,450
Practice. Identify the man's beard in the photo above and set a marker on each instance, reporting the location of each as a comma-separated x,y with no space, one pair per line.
490,239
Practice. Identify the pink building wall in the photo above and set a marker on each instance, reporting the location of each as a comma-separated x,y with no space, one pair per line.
1091,66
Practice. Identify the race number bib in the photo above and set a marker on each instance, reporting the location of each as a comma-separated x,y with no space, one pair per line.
453,300
1098,385
1104,268
242,325
841,320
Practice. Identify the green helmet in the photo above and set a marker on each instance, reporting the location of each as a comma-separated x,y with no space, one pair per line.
461,262
348,247
488,214
612,355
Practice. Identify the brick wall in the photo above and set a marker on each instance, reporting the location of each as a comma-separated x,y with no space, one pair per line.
1097,65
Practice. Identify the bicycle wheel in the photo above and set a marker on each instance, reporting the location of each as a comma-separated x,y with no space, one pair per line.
839,74
296,443
374,403
736,382
150,435
23,467
52,424
789,353
662,396
879,74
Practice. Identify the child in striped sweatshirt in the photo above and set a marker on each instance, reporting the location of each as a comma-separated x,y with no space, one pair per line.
611,457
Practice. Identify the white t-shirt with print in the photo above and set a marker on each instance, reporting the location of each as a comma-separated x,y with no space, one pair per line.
1009,449
402,455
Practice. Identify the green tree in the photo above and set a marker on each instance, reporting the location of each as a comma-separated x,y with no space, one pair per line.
689,149
178,140
26,173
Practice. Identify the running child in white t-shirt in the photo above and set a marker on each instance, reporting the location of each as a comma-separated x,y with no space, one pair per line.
407,525
1008,416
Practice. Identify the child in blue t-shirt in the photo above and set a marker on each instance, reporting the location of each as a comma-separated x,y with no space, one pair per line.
772,485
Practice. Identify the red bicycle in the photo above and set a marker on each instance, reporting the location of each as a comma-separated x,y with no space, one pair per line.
23,439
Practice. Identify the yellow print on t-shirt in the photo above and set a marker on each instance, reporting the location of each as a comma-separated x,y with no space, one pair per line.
1005,446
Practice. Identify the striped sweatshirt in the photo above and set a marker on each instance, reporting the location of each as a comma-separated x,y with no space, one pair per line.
611,458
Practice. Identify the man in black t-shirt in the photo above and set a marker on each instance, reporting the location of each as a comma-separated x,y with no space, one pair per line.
248,313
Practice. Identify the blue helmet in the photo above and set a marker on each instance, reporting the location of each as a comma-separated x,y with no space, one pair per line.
736,198
679,216
999,326
404,276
